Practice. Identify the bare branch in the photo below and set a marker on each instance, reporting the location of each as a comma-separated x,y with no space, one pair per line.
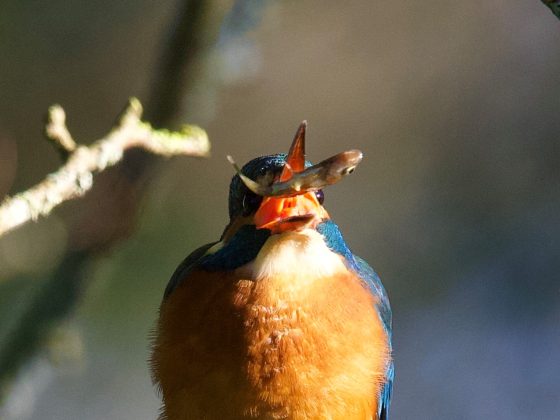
57,131
117,194
75,177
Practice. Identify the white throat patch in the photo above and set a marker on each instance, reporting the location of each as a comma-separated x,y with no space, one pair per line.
302,254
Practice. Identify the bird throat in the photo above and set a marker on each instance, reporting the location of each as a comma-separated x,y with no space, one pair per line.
297,257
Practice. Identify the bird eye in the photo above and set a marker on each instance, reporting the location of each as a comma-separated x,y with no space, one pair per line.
251,203
320,196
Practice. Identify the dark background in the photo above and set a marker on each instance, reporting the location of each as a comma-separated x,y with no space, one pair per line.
456,204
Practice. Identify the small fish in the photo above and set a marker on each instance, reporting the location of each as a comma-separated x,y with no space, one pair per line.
314,178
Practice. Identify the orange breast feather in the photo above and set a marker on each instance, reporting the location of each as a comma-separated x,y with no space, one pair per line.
229,347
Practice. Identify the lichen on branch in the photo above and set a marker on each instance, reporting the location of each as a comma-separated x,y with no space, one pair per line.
75,177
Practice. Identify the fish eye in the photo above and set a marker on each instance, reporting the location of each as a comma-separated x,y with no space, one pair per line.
348,171
251,203
320,196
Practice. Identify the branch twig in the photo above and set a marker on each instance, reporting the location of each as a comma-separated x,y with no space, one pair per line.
75,177
57,131
119,191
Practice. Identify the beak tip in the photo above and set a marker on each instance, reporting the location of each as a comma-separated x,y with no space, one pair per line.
300,133
296,155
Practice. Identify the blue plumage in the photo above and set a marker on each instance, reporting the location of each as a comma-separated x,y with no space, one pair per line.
241,249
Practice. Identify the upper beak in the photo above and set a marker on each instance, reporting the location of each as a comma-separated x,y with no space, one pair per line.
296,156
280,214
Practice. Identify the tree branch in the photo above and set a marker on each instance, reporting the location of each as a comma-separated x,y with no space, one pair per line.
75,178
116,196
553,5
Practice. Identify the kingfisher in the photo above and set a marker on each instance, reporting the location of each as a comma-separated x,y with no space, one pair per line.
278,319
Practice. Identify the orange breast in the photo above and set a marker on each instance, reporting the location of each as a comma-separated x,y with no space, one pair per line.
231,347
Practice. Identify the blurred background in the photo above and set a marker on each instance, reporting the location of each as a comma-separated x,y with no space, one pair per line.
456,204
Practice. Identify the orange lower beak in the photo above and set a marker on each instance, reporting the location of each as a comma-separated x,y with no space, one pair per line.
281,214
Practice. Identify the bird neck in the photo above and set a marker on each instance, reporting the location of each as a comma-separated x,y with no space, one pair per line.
244,245
296,254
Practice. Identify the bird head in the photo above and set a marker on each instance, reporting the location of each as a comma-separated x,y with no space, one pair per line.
284,192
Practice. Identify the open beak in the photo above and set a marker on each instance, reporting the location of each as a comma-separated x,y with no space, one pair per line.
280,214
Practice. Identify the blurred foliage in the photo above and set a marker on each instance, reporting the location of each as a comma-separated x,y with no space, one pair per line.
554,5
455,204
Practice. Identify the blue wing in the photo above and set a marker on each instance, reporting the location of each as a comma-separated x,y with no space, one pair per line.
370,277
373,281
186,266
385,397
239,250
335,241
